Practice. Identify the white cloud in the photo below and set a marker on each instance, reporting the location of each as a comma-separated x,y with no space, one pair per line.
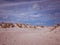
35,6
16,3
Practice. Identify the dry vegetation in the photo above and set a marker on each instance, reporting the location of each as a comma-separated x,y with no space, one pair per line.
7,25
12,25
56,26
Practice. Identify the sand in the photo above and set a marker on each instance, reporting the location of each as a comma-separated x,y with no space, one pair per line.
29,36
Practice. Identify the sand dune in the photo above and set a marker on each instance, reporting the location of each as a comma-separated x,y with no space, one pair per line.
25,34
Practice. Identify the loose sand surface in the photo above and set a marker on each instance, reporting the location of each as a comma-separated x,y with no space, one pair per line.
29,36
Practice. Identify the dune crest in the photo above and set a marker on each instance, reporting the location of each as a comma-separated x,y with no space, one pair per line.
19,25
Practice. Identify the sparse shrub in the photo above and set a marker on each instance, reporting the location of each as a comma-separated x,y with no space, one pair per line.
19,25
42,26
11,25
58,24
7,25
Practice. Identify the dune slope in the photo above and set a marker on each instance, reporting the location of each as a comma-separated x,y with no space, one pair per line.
29,35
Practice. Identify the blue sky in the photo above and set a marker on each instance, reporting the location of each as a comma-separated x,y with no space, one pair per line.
35,12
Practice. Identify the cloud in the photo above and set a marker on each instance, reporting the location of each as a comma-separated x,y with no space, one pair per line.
36,5
16,3
34,12
47,5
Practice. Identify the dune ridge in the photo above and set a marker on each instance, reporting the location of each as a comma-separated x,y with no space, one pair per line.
20,25
26,34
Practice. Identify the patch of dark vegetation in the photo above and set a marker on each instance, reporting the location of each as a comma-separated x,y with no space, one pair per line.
42,26
35,27
11,25
25,26
58,25
19,25
55,27
7,25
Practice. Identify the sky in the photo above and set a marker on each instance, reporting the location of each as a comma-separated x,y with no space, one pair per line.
35,12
